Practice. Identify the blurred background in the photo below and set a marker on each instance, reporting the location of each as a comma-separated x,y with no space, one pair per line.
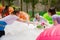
33,6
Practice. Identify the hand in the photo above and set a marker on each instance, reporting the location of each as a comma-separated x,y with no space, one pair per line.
42,24
36,23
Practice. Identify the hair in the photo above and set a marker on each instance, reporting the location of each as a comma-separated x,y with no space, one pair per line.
6,7
52,10
5,10
36,14
15,11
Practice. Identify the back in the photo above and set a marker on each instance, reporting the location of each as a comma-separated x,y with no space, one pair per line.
9,19
56,17
2,25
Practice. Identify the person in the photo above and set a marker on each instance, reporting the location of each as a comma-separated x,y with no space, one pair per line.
24,16
1,9
2,26
11,9
5,11
55,17
39,19
8,20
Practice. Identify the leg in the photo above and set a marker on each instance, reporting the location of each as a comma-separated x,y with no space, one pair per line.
2,33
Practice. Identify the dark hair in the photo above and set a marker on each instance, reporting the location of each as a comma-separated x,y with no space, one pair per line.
52,10
16,11
6,7
14,8
5,10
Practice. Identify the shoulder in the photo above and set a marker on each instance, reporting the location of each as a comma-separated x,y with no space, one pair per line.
55,16
15,16
11,16
7,16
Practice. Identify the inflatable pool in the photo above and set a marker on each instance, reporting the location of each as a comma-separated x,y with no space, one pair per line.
52,33
21,31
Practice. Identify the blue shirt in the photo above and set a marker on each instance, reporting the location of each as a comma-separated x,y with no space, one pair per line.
2,25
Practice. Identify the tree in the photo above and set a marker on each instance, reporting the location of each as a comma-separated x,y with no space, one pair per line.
2,2
9,2
21,4
48,3
54,2
58,5
45,2
33,2
27,2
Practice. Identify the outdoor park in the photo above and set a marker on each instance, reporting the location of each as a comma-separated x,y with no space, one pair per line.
29,19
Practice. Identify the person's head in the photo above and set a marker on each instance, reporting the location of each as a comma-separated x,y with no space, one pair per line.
10,10
16,12
6,7
37,16
52,11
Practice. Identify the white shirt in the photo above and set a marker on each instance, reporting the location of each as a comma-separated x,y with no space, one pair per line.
9,19
41,20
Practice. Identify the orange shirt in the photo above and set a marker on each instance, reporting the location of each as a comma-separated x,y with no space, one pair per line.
1,9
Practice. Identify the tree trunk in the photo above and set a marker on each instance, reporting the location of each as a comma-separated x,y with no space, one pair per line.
49,3
21,5
47,8
33,8
9,2
27,7
32,11
3,3
3,6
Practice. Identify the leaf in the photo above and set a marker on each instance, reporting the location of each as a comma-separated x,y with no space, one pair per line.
39,26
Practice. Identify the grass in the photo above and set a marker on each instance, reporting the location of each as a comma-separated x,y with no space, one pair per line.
39,26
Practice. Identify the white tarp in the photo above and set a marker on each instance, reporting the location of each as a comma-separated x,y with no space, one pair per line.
21,31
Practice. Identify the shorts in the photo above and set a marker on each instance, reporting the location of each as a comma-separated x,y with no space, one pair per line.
2,33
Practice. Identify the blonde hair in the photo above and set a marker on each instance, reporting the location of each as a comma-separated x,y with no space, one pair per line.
37,14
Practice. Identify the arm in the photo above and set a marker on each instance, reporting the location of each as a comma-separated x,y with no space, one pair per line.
24,21
21,20
55,20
